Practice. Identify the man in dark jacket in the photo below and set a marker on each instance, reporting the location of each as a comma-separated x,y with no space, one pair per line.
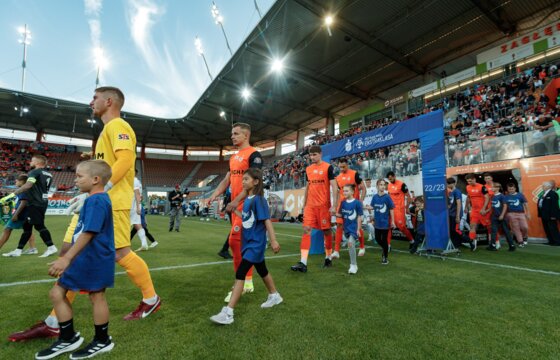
549,212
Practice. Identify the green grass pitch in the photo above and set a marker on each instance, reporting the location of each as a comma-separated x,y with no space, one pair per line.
485,306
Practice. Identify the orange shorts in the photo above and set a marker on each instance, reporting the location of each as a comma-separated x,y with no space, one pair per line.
317,217
478,218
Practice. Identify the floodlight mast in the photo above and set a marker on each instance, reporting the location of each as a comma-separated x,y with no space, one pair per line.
200,50
219,19
24,40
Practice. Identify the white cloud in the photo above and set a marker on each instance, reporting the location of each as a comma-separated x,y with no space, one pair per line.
95,32
93,7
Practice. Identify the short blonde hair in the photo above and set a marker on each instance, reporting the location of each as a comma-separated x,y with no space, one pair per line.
97,168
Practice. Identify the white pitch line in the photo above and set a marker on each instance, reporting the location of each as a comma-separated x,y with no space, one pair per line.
186,266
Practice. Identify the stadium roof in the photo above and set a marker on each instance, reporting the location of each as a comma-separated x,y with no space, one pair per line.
375,50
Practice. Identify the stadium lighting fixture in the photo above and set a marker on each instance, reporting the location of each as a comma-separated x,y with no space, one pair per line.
219,20
200,50
329,20
246,93
25,40
101,62
15,108
25,110
223,114
277,65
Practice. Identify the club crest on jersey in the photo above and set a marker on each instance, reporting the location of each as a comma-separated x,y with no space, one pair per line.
238,158
321,172
324,221
236,228
124,137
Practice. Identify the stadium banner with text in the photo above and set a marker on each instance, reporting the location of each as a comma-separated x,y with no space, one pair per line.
58,204
511,49
428,129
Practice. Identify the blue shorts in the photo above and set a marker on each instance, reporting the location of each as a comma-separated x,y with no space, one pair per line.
15,225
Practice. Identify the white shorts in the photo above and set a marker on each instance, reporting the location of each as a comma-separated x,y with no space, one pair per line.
135,218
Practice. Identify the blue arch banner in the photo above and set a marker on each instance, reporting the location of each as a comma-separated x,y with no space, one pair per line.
428,129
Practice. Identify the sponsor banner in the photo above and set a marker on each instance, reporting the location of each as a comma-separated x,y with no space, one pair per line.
510,57
534,171
425,89
511,46
427,128
461,75
58,204
395,101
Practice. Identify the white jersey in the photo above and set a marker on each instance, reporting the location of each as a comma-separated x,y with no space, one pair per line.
137,186
370,192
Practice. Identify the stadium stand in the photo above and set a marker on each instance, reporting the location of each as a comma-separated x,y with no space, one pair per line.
209,168
166,173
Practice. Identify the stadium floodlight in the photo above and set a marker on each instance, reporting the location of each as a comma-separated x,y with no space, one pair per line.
24,40
25,110
246,93
223,114
200,50
329,20
101,62
219,20
277,65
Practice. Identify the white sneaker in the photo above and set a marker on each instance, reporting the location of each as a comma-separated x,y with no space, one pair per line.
362,252
228,297
154,244
273,299
335,255
51,250
353,269
33,251
15,253
498,245
142,248
222,318
248,287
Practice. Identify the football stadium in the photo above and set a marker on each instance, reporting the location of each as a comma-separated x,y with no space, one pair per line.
216,180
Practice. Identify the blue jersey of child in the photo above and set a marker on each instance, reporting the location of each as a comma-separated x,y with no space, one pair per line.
498,201
381,210
515,202
93,269
350,210
255,212
453,197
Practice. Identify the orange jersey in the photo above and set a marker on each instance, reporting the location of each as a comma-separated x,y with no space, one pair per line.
476,195
491,193
396,191
238,164
348,178
319,186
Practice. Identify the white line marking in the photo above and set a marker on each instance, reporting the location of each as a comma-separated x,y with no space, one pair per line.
186,266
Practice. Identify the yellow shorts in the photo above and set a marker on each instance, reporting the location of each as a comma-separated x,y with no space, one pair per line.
71,228
121,224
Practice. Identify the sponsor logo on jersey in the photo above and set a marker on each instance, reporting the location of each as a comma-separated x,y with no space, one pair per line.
124,137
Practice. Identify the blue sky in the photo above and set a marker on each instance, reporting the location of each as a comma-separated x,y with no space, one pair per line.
148,45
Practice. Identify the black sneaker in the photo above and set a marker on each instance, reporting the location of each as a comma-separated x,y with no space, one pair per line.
177,230
328,263
93,348
384,260
60,347
491,248
301,267
511,248
170,229
224,254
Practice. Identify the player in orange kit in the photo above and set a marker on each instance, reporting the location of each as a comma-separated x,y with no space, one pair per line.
401,198
348,177
246,157
317,208
477,202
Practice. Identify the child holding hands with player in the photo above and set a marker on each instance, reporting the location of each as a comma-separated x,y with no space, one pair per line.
88,266
256,225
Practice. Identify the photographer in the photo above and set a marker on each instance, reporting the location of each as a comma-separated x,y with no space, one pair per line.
175,198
